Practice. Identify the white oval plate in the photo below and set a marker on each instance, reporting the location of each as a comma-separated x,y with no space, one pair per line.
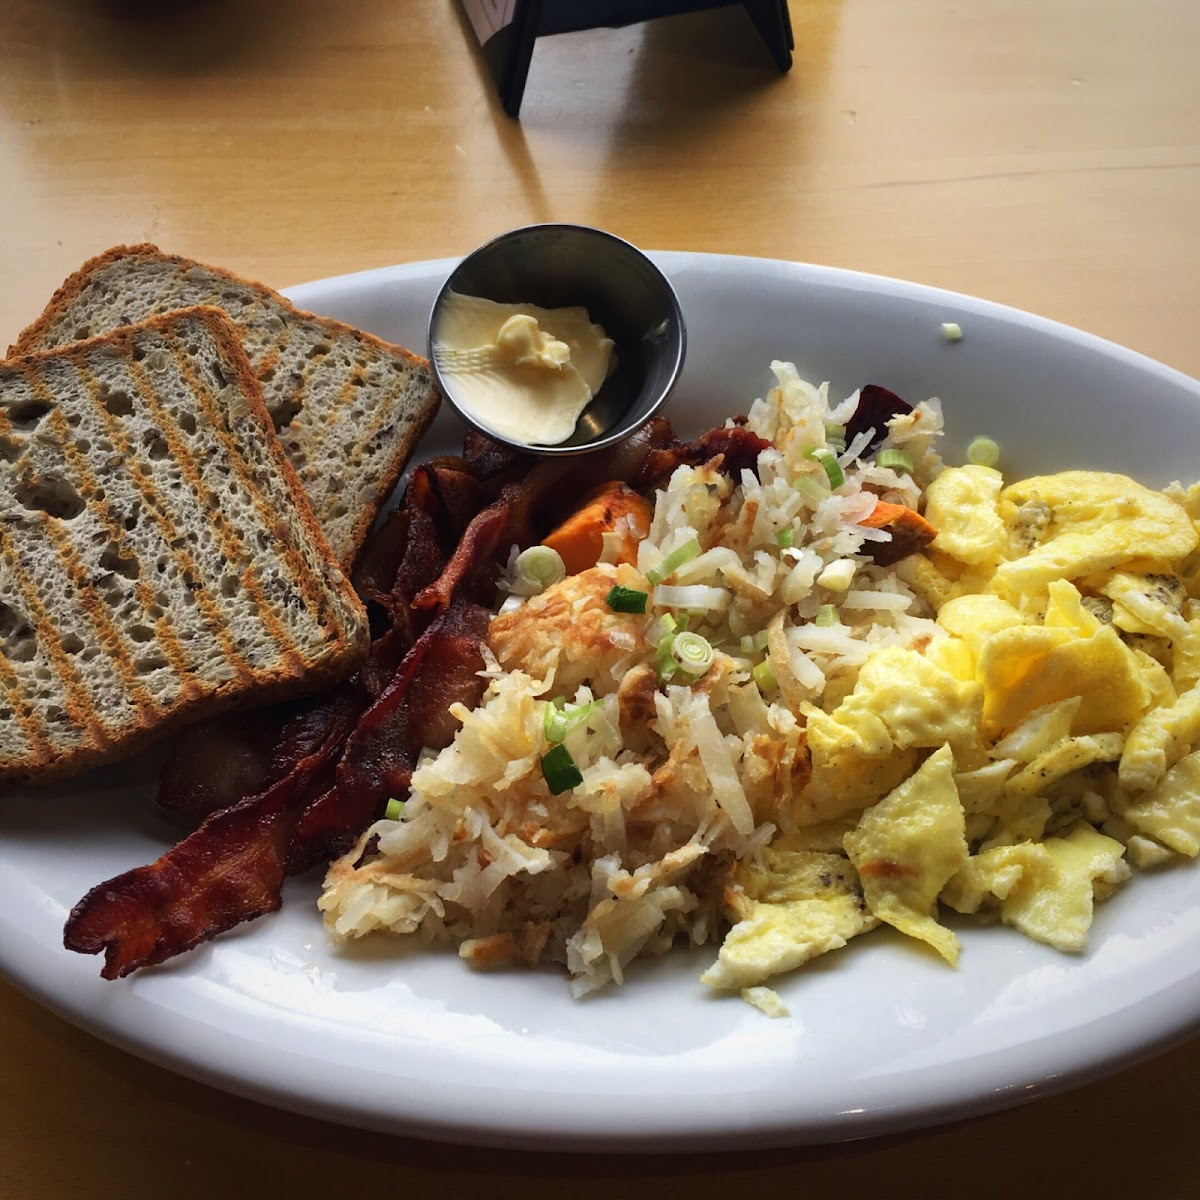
883,1035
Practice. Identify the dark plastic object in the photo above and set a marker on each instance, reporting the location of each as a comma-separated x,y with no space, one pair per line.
508,51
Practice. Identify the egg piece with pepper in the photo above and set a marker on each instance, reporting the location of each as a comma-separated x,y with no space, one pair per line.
790,906
1091,521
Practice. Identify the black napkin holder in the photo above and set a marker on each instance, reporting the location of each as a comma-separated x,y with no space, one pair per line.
507,29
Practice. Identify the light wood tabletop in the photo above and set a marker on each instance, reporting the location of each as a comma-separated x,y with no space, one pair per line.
1042,155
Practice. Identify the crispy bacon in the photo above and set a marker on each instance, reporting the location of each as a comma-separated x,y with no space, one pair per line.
214,763
737,447
525,511
381,558
229,871
493,460
441,670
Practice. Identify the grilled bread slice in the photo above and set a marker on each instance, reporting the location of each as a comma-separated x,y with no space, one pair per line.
348,407
158,559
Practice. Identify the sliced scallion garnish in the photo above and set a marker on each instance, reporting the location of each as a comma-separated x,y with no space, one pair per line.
983,452
560,770
627,600
660,626
810,489
673,561
561,718
539,567
764,677
693,653
826,615
833,468
752,643
786,537
394,810
897,460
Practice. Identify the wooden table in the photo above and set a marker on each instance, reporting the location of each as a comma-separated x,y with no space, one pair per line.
1045,155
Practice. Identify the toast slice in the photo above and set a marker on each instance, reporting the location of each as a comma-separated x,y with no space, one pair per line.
348,407
158,559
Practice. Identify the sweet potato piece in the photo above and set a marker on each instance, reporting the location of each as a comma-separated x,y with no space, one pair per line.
910,533
612,508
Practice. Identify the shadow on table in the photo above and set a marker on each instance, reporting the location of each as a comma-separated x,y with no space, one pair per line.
163,38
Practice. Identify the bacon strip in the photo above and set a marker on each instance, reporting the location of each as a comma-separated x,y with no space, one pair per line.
229,871
441,670
736,446
215,763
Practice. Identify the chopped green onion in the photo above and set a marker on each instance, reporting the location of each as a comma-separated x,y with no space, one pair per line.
394,810
810,489
627,600
673,561
753,643
786,537
539,567
693,653
764,676
983,452
658,627
834,430
896,459
833,468
827,615
560,770
559,721
952,331
665,645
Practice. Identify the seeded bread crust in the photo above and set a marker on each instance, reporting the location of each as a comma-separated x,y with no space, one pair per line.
348,407
159,561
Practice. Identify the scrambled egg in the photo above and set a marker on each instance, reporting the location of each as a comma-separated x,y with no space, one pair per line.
1014,766
790,907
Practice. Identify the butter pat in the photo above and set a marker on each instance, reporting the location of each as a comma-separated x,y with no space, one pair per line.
523,372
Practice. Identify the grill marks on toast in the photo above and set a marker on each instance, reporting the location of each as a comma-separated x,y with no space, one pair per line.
118,648
230,539
16,550
317,442
37,747
164,629
209,609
